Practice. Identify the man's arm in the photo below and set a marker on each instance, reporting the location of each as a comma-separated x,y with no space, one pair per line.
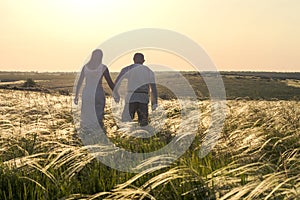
154,95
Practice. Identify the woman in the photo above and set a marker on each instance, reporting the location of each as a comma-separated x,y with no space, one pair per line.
93,95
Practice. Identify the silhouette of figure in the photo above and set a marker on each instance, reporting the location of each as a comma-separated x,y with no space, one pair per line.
141,80
93,95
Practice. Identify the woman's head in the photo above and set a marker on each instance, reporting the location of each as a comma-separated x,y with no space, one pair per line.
97,55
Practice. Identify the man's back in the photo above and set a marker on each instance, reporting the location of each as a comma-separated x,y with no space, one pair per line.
139,79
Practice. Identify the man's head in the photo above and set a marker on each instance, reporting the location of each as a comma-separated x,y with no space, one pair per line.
138,58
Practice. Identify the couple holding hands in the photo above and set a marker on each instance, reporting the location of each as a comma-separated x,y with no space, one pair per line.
140,83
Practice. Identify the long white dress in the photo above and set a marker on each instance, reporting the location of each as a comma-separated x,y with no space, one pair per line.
93,99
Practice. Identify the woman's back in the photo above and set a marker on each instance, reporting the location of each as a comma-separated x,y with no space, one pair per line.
93,77
93,95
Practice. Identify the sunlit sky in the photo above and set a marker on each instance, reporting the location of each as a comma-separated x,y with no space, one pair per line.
238,35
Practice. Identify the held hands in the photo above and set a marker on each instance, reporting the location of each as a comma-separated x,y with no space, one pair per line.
154,106
116,97
76,100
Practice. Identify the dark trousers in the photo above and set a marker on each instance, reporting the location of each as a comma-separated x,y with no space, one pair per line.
135,107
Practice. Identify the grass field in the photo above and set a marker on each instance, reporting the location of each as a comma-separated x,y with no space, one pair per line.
256,157
248,85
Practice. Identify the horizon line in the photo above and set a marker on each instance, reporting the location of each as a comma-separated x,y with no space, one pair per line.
36,71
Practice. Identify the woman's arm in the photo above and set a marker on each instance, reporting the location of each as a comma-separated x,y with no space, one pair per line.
111,84
108,79
79,83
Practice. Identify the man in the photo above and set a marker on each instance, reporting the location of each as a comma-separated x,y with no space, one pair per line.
141,80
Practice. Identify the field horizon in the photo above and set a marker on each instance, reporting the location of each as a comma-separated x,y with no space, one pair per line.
242,84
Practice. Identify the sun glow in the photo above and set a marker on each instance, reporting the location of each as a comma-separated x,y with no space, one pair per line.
55,33
85,5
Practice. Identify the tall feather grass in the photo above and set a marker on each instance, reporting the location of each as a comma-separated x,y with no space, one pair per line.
42,157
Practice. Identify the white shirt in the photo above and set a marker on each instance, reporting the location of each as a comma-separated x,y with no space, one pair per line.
141,79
